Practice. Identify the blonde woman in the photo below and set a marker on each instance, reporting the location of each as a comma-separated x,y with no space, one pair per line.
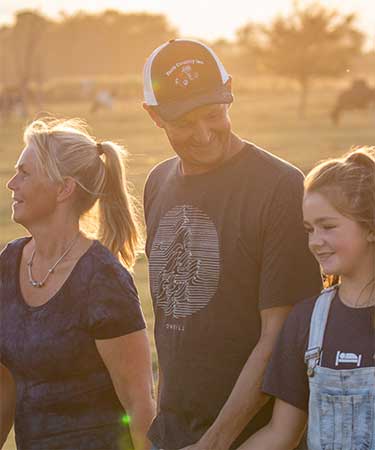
75,360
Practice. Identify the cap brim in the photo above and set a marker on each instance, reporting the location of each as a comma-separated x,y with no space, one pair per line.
174,110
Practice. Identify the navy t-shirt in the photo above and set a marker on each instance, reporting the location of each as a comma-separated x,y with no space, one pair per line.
65,396
222,247
348,344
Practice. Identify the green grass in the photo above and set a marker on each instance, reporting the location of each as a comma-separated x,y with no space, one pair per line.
269,119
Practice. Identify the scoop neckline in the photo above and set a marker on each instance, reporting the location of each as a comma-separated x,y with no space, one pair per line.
58,293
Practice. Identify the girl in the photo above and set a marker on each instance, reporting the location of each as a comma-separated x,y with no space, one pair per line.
75,362
323,363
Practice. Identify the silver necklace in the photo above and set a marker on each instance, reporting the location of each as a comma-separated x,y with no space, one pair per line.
41,283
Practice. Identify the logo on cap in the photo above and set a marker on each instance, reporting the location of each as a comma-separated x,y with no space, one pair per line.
184,72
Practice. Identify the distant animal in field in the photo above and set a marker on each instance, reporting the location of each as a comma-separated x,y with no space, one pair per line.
360,96
103,99
13,101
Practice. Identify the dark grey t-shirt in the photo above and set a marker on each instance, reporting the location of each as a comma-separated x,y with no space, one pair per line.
222,246
65,396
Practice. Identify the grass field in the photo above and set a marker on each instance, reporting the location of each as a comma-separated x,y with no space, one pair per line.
269,119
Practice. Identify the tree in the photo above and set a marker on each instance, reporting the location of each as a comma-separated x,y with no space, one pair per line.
311,42
27,38
249,39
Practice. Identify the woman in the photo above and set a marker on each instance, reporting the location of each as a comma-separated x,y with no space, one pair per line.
75,358
323,363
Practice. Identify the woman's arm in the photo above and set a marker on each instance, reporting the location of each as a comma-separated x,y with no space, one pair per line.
283,432
7,403
128,361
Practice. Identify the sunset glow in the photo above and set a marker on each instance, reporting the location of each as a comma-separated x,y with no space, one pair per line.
202,18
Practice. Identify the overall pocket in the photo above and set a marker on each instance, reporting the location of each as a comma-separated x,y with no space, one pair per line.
346,421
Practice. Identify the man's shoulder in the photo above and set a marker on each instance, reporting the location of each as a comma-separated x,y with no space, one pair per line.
268,162
163,168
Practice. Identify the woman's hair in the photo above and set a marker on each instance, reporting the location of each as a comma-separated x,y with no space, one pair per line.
64,148
349,185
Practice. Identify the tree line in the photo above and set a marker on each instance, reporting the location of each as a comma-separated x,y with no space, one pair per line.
313,41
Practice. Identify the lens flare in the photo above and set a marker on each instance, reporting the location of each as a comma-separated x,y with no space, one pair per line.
125,419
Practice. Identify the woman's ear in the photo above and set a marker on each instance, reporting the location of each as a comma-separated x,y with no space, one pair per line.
66,189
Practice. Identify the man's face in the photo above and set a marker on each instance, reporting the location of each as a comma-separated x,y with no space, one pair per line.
201,138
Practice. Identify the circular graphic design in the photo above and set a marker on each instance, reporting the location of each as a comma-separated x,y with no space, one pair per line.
184,262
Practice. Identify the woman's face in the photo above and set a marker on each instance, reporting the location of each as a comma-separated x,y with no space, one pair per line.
34,194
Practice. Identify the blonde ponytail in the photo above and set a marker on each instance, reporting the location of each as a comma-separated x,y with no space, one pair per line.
65,148
119,227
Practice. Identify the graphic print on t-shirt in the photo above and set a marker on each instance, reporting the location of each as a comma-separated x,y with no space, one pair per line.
348,358
184,262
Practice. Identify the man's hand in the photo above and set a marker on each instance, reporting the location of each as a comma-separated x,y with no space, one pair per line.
246,398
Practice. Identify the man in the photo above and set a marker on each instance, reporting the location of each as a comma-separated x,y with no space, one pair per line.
227,255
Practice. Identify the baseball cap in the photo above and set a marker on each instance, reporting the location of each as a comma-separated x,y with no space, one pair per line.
182,75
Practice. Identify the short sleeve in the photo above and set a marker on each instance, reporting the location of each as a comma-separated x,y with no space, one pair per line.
289,273
113,308
286,376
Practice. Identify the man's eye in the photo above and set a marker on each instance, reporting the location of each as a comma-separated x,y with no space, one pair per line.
329,227
308,230
182,124
215,115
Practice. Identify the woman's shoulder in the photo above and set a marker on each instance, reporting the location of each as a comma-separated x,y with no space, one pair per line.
13,248
105,267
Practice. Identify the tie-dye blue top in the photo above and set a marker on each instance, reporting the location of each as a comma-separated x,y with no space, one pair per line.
65,397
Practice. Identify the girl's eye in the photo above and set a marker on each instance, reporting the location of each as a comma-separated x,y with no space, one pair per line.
329,227
308,230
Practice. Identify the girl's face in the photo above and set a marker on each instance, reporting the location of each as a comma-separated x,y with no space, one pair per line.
340,245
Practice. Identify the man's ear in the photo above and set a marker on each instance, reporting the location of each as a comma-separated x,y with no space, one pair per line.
66,189
154,115
228,83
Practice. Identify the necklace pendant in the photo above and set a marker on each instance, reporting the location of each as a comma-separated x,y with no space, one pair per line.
35,284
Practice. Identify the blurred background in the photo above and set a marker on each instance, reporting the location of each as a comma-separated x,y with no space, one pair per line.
303,78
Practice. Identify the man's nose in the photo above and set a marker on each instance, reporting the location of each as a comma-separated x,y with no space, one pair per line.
202,133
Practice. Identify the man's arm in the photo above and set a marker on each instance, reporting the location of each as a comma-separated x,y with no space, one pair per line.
283,432
246,398
7,403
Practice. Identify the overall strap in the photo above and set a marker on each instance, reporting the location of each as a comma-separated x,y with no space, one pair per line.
317,328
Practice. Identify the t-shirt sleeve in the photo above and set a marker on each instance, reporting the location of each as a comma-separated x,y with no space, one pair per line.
114,308
289,273
3,257
286,376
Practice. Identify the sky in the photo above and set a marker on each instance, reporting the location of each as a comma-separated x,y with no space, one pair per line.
208,19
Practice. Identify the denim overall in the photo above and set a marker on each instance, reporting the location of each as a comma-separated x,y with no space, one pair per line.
341,404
